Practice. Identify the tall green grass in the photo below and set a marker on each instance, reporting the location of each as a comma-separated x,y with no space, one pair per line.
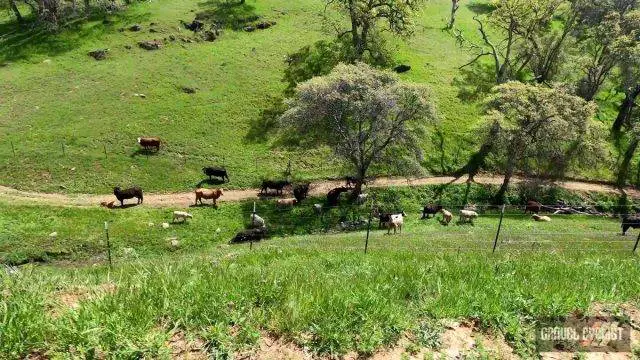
331,301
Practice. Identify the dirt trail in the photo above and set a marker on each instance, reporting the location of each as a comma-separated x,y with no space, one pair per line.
317,188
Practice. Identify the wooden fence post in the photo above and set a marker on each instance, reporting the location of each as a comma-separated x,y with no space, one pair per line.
106,231
495,242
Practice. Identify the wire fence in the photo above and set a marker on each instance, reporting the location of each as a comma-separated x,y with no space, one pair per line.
565,228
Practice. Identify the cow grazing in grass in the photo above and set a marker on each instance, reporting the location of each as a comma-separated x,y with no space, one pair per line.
395,222
122,195
149,142
208,194
467,216
181,216
334,195
301,191
630,221
447,216
285,203
256,221
533,207
537,217
219,172
351,181
430,210
277,185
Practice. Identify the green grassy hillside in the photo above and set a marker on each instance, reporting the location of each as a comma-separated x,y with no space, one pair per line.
52,93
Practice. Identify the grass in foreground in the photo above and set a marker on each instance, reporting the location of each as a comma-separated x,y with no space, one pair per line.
330,300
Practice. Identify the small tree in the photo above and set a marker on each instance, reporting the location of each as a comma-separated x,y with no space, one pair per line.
365,16
365,116
517,22
540,131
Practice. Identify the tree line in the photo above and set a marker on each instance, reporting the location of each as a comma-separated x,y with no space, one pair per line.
550,64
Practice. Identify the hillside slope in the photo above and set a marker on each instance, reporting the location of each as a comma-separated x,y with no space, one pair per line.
69,123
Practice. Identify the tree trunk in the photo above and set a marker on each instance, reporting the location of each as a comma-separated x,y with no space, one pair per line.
357,189
499,199
16,11
455,4
624,112
623,171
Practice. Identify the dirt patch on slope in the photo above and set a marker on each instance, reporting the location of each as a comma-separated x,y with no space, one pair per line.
459,341
69,299
270,347
182,348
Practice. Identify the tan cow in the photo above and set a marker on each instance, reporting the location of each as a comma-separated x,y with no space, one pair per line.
208,194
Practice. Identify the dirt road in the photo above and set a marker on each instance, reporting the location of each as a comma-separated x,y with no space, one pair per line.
318,188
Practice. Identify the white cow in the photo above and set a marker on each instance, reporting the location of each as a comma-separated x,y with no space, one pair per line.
257,221
181,215
468,216
396,221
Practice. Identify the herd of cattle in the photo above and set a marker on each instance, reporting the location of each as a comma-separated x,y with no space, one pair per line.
257,229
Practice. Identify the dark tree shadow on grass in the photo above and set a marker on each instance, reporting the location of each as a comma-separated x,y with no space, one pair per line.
480,7
475,81
125,206
227,14
31,39
144,152
265,125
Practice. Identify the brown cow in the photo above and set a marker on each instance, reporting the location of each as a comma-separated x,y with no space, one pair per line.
208,194
150,143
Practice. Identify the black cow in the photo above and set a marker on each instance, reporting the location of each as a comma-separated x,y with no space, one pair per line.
430,210
630,221
216,171
122,195
301,191
334,195
384,218
277,185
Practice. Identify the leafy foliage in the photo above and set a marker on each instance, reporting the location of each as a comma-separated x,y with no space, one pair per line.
542,131
365,116
365,18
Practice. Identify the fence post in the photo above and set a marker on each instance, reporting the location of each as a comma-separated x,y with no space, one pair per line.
366,242
495,242
635,247
253,217
106,231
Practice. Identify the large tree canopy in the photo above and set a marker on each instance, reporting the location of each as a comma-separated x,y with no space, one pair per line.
364,115
540,131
